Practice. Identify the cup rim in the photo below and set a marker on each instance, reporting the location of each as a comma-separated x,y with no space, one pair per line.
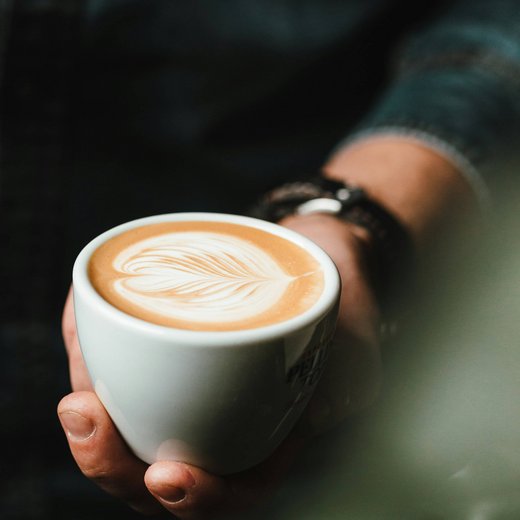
327,299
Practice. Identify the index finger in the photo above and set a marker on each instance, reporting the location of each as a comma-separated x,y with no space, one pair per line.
79,378
191,493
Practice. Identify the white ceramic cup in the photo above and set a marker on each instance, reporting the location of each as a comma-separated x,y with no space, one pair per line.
219,400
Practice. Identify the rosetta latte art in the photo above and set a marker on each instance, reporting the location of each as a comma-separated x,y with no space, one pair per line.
200,276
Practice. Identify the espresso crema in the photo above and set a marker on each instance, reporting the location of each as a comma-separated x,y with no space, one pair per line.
206,276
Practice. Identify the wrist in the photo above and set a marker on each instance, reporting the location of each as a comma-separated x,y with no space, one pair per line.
357,235
420,188
349,245
388,249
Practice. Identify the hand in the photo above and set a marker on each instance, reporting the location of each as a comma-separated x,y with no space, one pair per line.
352,376
349,383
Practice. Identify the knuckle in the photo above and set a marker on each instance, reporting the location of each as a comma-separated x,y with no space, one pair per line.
68,322
96,472
69,336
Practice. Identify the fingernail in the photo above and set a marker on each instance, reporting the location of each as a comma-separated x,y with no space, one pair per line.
77,426
172,494
168,492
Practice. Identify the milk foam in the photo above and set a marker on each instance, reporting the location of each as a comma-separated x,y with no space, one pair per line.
200,276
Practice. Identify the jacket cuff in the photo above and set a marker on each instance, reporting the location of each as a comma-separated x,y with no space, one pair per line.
430,140
470,115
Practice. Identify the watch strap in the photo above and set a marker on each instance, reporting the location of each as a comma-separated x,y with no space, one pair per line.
391,245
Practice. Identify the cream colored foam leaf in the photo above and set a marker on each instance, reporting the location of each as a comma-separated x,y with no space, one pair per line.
200,276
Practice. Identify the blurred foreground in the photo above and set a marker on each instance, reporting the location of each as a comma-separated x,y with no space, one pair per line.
443,443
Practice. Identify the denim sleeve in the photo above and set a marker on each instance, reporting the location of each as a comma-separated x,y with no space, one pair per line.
456,88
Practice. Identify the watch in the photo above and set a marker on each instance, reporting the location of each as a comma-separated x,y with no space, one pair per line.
392,249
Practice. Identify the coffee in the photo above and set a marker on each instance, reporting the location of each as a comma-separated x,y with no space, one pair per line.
206,275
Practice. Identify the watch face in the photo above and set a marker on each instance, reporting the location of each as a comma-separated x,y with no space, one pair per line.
321,205
319,195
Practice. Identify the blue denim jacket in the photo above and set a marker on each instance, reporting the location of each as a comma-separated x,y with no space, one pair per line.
456,85
266,89
291,77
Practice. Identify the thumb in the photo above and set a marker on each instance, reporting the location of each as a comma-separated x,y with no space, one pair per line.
101,453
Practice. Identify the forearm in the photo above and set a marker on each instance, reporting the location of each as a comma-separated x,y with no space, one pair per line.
420,187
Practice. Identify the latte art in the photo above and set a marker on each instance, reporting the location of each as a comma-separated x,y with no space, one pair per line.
201,277
206,275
